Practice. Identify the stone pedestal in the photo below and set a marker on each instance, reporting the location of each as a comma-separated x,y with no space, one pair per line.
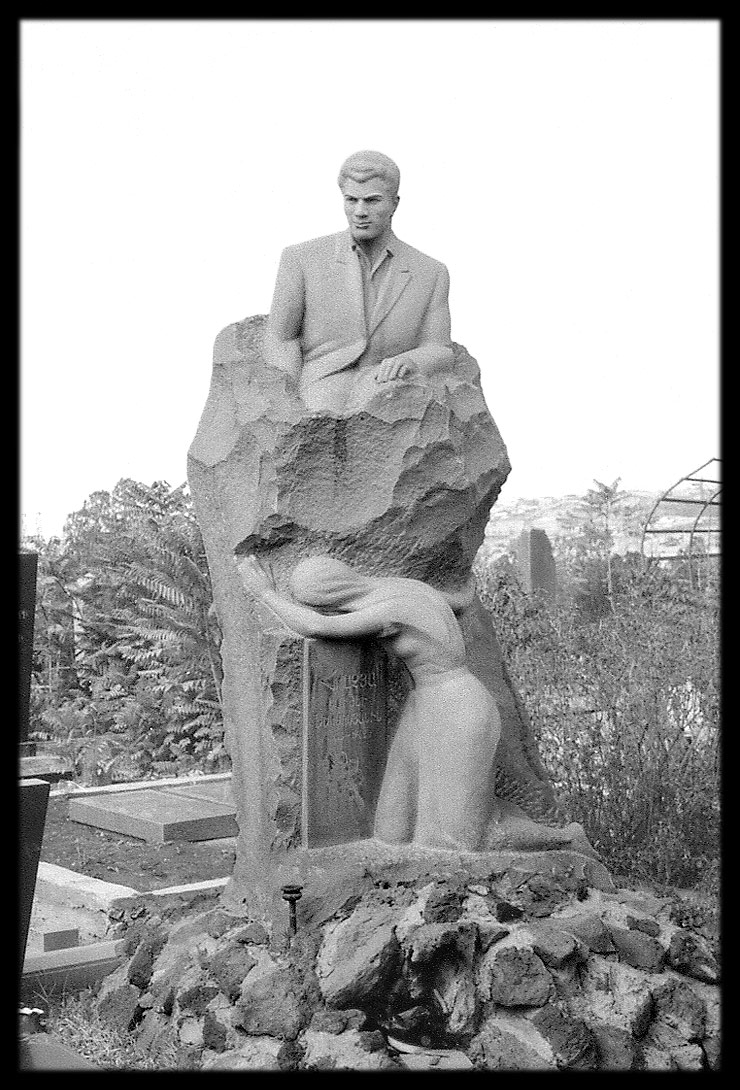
402,486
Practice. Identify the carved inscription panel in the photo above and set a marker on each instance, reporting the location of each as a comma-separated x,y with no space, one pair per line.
344,739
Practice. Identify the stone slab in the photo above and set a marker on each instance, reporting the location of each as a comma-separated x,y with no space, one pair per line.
344,739
156,815
191,887
220,792
61,886
72,969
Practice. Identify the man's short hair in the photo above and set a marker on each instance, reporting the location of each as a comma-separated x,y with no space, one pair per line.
363,165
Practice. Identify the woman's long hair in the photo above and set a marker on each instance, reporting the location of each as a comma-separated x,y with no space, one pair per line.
327,583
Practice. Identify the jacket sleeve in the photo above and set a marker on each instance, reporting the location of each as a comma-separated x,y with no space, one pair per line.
436,326
282,344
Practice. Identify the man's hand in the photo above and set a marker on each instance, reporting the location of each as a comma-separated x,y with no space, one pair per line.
394,367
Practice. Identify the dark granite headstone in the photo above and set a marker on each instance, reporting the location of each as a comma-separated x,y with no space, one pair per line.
535,563
344,739
33,800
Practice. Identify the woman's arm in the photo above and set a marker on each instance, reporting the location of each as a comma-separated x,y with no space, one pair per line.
458,600
369,621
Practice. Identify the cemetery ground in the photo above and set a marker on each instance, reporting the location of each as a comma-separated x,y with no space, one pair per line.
127,860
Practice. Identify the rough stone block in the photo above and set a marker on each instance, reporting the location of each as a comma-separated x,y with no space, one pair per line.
691,955
358,956
572,1042
511,1044
274,1004
514,977
638,949
617,1049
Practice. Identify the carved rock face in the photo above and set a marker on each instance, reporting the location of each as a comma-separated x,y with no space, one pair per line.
402,487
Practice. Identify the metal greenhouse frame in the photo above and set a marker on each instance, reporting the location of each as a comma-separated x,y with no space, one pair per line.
676,524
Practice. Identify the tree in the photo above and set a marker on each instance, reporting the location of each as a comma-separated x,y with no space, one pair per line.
146,692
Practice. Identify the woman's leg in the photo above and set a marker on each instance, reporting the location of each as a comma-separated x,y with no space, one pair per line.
395,815
461,728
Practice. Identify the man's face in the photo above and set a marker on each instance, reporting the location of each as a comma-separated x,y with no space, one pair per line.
369,208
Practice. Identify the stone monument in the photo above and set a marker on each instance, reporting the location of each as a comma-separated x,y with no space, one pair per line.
535,563
343,473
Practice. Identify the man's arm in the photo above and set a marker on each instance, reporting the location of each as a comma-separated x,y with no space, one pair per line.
434,352
282,344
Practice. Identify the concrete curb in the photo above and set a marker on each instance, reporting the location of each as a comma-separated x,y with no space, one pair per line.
59,885
137,785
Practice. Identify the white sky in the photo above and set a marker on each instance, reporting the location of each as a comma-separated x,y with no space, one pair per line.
566,172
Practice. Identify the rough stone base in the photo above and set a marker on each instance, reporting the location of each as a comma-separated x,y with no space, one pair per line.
515,961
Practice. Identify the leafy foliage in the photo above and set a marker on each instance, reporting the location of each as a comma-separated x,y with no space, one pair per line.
128,667
624,702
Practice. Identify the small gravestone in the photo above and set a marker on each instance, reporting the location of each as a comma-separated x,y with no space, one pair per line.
33,800
535,563
344,739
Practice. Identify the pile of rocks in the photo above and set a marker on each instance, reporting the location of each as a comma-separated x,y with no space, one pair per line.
510,971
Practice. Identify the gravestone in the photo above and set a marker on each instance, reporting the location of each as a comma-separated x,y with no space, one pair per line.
535,563
33,800
344,739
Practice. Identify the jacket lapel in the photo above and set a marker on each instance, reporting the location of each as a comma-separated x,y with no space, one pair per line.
399,275
352,276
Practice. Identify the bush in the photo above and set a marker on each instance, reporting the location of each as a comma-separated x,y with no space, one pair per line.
625,709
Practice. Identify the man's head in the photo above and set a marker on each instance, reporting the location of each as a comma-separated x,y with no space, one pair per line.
369,183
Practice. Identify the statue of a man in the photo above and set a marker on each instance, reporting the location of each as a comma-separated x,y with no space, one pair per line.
359,308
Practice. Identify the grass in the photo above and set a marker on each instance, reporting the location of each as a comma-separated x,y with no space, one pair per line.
73,1020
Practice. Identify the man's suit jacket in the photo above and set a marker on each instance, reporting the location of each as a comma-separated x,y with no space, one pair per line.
319,299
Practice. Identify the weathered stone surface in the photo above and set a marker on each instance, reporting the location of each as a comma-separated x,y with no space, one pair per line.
615,994
508,1044
229,968
690,954
274,1004
513,977
257,1054
679,1007
616,1048
572,1042
142,963
590,929
554,945
252,934
450,1060
647,926
190,1030
501,1004
337,1021
358,956
445,904
196,999
638,949
118,1008
351,1050
424,942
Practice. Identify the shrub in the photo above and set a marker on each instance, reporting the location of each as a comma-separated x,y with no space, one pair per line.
625,709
